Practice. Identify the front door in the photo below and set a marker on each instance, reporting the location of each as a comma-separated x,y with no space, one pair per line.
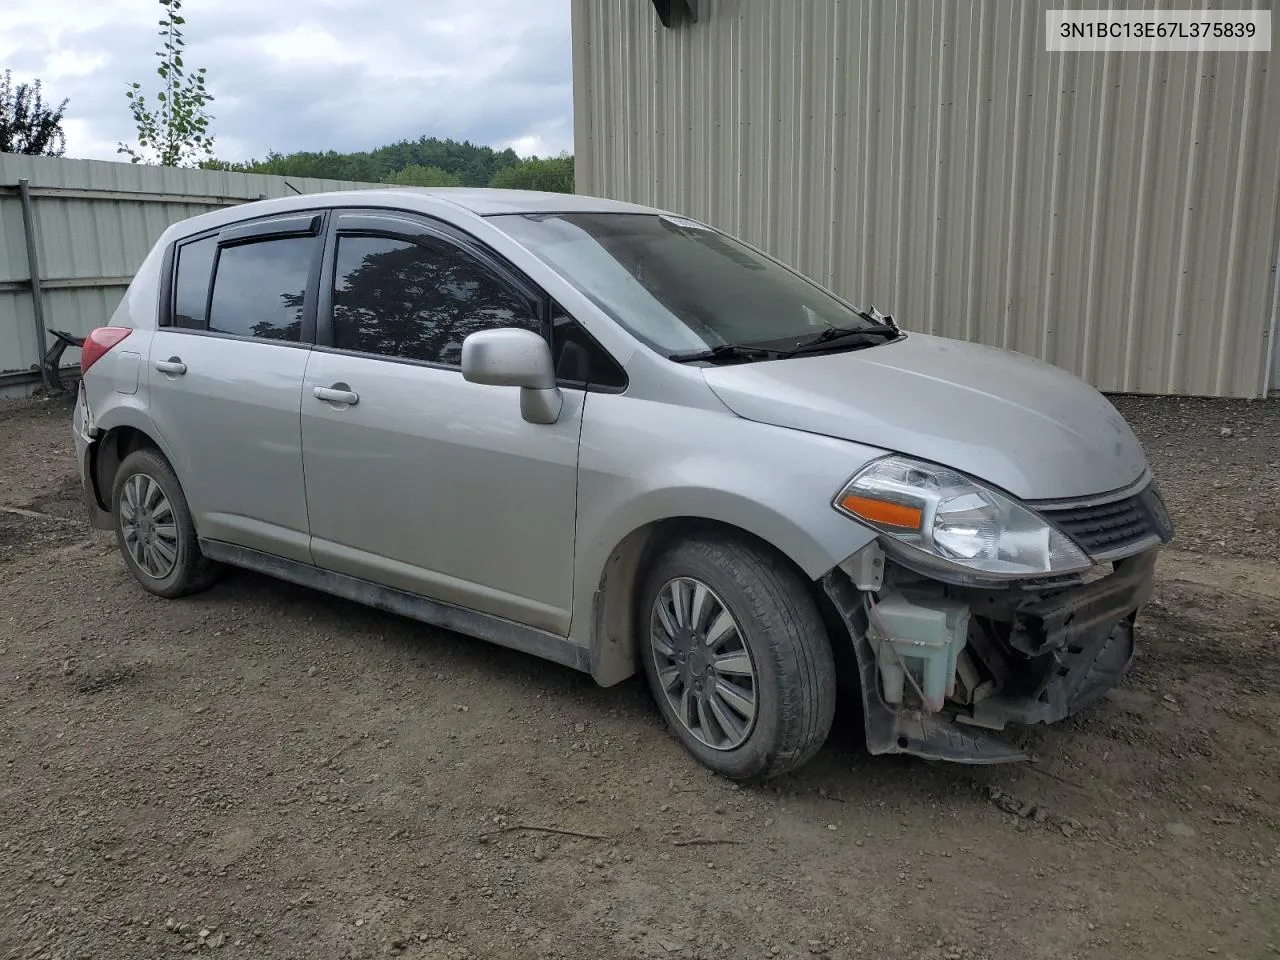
415,478
225,378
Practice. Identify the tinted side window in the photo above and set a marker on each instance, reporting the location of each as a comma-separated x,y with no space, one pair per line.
417,299
191,285
259,287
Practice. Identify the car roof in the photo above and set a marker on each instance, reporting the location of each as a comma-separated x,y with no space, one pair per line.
476,201
486,201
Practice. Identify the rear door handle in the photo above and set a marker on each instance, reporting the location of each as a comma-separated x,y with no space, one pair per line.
174,366
338,393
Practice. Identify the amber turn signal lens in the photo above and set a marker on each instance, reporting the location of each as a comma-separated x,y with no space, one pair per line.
883,512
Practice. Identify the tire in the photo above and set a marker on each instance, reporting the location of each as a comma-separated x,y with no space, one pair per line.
777,626
145,542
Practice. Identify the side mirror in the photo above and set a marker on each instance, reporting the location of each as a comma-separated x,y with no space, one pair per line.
515,358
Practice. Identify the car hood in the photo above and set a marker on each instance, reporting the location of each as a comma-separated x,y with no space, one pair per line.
1030,428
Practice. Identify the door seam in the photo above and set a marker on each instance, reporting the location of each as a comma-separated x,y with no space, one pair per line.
302,453
577,482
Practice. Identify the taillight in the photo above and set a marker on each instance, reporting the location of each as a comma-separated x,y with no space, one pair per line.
97,343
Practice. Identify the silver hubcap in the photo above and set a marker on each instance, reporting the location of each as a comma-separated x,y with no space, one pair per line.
703,665
149,526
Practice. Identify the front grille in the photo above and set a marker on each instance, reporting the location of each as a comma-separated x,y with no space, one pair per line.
1108,529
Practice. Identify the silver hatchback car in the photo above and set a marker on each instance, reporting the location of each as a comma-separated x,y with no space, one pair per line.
620,439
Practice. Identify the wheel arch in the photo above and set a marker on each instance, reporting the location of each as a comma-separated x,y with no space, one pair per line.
109,451
614,651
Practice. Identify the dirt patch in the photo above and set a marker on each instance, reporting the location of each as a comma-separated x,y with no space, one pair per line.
39,489
22,531
99,676
262,771
37,447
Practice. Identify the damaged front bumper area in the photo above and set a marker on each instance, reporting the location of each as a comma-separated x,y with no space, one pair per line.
941,668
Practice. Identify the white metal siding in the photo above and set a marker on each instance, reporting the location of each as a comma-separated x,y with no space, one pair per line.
1115,214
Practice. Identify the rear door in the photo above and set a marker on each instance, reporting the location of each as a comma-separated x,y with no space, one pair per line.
225,375
416,478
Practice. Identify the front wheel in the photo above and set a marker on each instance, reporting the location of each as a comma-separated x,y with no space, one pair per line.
737,657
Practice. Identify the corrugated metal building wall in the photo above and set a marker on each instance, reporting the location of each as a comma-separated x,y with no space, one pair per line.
1115,214
95,221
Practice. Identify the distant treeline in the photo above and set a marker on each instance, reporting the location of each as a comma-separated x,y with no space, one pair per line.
426,162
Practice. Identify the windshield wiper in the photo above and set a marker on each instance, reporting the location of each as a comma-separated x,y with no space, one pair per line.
725,353
833,336
874,316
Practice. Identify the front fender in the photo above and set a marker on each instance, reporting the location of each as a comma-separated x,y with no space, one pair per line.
814,540
679,462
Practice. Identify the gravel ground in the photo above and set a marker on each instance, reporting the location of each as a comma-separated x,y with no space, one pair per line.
262,771
1218,463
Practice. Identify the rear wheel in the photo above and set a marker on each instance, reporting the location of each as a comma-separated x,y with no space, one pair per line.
154,529
737,657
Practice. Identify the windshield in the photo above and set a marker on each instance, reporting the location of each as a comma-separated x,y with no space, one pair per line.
678,285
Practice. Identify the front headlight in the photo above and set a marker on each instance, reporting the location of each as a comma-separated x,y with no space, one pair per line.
952,518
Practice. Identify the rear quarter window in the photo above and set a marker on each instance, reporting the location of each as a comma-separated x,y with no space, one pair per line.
191,283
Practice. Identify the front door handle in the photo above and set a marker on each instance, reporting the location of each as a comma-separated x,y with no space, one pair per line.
174,366
338,393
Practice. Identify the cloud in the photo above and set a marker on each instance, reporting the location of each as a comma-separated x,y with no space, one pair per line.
311,74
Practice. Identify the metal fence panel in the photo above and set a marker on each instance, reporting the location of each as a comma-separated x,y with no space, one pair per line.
1115,214
93,231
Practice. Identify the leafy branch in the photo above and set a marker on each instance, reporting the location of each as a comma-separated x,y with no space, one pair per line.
175,133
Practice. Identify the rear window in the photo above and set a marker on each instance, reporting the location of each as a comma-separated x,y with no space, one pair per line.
259,288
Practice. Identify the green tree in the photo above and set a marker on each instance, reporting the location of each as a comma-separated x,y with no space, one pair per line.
473,165
176,132
416,175
551,173
427,161
27,124
233,166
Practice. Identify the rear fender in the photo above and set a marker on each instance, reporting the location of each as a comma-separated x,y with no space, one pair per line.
102,455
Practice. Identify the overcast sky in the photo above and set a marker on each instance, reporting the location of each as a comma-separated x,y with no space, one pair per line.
310,74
